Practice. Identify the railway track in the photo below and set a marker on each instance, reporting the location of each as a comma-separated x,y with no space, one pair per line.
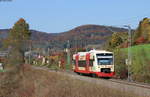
137,84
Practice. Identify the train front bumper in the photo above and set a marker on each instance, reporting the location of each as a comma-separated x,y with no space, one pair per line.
102,74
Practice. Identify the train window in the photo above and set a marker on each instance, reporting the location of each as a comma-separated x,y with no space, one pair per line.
81,63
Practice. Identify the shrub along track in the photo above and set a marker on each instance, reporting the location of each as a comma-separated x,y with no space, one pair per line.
142,90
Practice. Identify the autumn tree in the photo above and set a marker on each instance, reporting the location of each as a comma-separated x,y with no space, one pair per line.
143,31
115,40
17,42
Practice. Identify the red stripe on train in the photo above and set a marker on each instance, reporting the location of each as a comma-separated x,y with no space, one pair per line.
77,59
87,61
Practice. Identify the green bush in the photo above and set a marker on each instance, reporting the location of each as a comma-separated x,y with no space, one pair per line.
120,66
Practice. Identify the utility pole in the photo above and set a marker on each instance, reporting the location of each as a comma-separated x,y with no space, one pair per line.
30,51
76,44
129,52
68,52
129,61
48,56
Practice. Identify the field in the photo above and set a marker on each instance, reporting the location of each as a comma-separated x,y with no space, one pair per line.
42,83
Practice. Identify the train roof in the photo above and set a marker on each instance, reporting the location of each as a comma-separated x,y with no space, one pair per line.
99,51
94,51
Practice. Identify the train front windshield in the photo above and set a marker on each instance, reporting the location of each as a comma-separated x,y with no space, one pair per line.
105,59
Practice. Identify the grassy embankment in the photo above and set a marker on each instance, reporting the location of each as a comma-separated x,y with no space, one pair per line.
41,83
140,56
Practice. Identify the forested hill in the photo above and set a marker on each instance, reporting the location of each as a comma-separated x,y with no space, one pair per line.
78,37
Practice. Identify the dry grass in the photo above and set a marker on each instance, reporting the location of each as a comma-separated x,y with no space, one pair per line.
41,83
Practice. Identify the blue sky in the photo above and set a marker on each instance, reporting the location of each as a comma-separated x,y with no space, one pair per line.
55,16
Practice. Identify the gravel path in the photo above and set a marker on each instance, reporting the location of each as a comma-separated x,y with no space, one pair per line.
124,87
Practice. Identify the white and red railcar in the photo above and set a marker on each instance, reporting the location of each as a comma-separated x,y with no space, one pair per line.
96,62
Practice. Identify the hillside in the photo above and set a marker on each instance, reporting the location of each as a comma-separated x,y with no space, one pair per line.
78,37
